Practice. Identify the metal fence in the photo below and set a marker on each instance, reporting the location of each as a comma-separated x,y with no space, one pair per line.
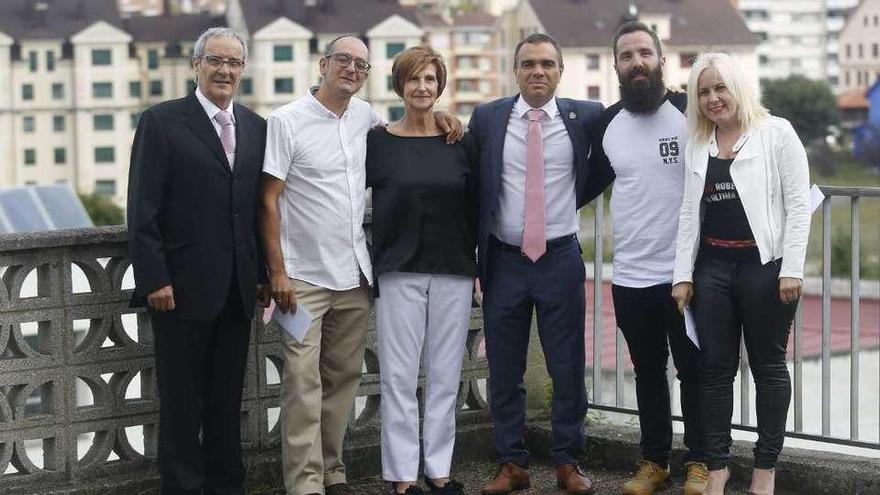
621,379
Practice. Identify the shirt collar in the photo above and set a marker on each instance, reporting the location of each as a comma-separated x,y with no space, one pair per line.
713,142
522,108
319,107
210,108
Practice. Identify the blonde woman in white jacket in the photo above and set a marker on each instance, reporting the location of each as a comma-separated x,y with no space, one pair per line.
742,238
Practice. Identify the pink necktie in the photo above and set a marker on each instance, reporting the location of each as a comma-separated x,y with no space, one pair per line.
227,132
534,241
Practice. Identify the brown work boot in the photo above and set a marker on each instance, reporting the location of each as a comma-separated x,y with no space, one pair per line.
510,477
571,478
696,478
648,478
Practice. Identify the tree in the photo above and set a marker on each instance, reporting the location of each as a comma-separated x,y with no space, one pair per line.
102,210
809,105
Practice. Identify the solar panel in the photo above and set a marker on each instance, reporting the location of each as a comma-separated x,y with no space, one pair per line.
36,208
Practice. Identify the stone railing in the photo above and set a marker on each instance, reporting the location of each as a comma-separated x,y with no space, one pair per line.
77,387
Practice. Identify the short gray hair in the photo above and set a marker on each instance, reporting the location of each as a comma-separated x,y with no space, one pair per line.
223,32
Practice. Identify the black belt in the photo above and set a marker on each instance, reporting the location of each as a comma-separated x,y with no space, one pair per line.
551,243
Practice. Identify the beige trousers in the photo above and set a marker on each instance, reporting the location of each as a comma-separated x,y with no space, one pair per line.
320,379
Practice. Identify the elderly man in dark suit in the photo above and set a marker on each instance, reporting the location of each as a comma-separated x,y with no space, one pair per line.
533,171
192,202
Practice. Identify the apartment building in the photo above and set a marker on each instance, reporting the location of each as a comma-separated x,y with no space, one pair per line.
860,47
798,36
80,73
585,28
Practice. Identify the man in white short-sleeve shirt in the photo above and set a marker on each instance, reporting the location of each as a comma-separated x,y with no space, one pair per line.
312,230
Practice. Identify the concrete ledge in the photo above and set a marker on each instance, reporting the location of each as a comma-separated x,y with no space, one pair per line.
616,448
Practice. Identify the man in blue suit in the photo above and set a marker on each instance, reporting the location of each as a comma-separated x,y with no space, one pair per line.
533,178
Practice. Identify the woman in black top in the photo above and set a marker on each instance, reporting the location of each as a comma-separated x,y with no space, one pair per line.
424,237
747,177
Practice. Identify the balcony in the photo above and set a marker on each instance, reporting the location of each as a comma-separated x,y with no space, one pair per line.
78,409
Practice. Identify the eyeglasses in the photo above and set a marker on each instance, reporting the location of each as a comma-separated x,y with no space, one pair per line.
217,62
344,60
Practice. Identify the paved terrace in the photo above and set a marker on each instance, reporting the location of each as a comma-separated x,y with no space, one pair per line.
78,409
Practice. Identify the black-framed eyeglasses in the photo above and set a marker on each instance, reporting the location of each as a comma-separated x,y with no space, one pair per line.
217,62
344,60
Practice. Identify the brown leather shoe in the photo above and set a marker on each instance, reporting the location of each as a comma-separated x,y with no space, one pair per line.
573,480
511,477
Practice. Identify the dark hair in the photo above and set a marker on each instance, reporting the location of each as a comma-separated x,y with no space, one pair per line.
534,39
411,61
634,27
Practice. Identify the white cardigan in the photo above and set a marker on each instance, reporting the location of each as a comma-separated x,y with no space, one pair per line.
773,182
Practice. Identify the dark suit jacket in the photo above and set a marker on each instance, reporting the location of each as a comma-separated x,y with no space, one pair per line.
192,220
489,126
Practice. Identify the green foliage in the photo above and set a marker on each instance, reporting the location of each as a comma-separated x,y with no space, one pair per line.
102,210
809,105
841,257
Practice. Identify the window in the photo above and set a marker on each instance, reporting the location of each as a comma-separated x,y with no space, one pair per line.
60,156
152,59
861,50
763,59
592,62
282,53
135,117
28,124
875,50
32,61
686,60
846,78
389,83
30,156
50,61
105,154
466,85
761,36
27,92
134,89
102,57
848,50
395,113
247,86
58,123
103,122
102,90
156,87
465,108
57,91
592,92
392,49
105,187
283,85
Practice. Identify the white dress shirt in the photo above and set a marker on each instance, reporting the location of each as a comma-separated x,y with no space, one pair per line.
212,110
321,157
559,177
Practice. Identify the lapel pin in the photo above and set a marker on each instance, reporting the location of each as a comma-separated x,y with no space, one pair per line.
572,115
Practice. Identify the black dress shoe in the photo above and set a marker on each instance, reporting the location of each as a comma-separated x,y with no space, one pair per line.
338,489
410,490
451,487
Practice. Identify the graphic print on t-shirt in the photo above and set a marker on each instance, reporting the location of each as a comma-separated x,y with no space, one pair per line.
716,192
669,150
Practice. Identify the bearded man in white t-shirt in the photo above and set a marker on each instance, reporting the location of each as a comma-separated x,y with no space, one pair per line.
639,143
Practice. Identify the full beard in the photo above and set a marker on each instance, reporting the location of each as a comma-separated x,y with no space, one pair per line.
644,96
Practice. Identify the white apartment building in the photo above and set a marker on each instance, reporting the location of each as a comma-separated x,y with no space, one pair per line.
80,74
585,29
860,48
798,36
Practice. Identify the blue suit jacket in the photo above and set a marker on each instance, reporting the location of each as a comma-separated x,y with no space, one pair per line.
489,127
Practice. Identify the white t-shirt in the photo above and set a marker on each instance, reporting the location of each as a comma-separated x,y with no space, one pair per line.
321,157
647,155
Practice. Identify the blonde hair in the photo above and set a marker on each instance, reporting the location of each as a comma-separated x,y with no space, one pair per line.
748,105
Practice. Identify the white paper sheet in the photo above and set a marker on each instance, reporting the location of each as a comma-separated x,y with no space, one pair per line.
816,198
690,327
295,324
